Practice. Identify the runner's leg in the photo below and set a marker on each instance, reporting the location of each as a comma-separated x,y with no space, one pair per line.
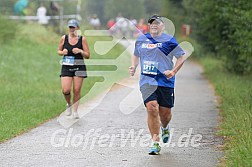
165,115
153,119
66,83
77,89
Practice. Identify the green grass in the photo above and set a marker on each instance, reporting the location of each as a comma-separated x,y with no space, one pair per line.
30,83
236,110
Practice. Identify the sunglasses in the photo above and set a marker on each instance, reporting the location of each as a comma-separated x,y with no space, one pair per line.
71,27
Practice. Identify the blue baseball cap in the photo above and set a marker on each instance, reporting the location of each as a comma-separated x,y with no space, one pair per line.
73,23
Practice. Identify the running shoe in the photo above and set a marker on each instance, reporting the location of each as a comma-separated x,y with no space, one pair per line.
68,111
75,115
165,134
155,149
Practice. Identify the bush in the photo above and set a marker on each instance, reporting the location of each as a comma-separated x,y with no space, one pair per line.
224,28
238,45
8,30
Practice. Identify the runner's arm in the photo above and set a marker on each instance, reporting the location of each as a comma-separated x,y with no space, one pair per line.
180,61
85,52
178,65
134,64
62,51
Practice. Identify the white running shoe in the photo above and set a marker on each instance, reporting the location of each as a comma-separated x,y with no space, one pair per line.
76,115
68,111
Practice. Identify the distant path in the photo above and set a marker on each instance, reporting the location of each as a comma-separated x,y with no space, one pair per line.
194,112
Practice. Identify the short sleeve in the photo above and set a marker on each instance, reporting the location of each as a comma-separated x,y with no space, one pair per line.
177,51
136,50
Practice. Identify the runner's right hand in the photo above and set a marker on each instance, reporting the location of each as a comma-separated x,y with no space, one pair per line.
65,51
132,70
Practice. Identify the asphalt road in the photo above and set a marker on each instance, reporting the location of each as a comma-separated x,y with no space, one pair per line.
113,130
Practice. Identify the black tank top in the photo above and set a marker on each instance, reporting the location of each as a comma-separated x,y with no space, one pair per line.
70,47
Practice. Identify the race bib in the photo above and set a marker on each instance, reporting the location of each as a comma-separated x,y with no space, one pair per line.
68,60
150,67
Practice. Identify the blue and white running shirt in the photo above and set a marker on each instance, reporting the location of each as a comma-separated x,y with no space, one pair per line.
156,56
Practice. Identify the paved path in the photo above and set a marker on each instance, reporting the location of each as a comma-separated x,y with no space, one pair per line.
115,132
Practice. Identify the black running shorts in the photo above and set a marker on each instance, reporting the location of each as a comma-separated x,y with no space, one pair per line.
163,95
75,70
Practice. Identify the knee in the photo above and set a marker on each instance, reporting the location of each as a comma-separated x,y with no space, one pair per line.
76,92
66,91
152,107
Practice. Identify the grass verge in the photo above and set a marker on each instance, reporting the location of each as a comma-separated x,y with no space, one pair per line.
29,79
236,110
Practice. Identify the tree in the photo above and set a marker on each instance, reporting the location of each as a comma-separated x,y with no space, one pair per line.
224,27
6,6
153,7
95,7
128,8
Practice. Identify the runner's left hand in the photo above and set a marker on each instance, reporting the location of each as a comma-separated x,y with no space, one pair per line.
76,50
169,73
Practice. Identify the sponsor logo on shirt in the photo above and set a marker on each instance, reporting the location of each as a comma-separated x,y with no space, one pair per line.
151,45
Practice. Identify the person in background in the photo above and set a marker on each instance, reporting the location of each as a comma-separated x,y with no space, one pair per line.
111,26
74,50
41,14
95,22
132,26
142,28
121,25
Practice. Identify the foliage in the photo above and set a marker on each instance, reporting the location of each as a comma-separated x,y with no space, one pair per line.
236,96
126,7
224,28
129,8
153,7
95,7
6,6
8,30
